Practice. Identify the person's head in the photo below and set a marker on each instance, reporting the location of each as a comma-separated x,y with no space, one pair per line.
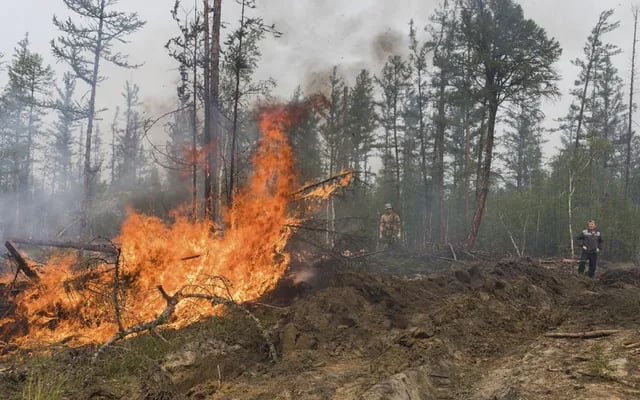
591,224
388,208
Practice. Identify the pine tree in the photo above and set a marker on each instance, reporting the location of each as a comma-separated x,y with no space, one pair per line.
304,136
361,122
513,57
241,60
595,51
24,100
129,143
523,158
83,45
63,134
394,83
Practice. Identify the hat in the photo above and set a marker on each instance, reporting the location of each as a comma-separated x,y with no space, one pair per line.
388,206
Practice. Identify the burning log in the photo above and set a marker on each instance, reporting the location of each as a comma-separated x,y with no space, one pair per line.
99,248
22,263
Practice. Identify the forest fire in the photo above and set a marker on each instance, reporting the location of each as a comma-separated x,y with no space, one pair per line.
89,305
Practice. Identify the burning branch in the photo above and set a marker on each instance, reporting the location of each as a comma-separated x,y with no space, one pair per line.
171,303
116,289
98,248
324,188
22,263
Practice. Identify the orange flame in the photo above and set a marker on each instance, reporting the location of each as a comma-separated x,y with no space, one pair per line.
242,264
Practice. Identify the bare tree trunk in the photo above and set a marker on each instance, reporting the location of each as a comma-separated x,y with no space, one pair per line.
485,179
194,131
207,111
627,164
438,158
570,193
481,145
114,129
396,149
467,164
215,99
88,173
423,157
236,103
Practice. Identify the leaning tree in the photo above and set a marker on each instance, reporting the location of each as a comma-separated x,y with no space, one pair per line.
512,58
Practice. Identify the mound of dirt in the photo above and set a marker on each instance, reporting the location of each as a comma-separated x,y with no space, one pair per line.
446,335
360,330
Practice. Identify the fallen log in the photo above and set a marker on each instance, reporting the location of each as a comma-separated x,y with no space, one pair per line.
22,263
558,261
99,248
582,335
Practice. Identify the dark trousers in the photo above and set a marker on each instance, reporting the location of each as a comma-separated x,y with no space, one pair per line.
590,256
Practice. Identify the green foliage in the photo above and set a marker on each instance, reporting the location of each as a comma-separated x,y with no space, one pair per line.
599,363
43,382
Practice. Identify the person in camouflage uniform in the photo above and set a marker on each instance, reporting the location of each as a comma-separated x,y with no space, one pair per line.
389,230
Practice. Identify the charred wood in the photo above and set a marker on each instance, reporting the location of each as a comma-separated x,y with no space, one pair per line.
582,335
99,248
20,260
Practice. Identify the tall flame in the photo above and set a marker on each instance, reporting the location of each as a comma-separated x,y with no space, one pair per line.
243,263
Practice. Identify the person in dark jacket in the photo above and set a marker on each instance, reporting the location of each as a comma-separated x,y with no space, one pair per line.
590,239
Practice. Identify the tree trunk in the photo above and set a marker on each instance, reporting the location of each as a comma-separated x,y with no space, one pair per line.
627,164
88,173
438,158
207,112
485,179
236,103
215,100
396,149
194,132
570,193
423,158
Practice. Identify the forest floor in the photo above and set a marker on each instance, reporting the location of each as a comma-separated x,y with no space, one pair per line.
374,328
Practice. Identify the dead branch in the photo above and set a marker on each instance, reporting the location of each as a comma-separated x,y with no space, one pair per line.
231,304
100,248
22,263
632,345
172,302
255,303
608,377
472,255
323,230
116,290
558,261
453,252
453,260
582,335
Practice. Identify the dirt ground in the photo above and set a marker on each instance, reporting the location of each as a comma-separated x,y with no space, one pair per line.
379,328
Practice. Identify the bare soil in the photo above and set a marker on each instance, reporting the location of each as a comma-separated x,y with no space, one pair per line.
381,327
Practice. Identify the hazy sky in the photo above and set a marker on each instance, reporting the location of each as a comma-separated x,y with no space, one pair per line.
317,34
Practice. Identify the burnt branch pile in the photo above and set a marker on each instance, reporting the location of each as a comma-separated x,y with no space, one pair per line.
101,286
